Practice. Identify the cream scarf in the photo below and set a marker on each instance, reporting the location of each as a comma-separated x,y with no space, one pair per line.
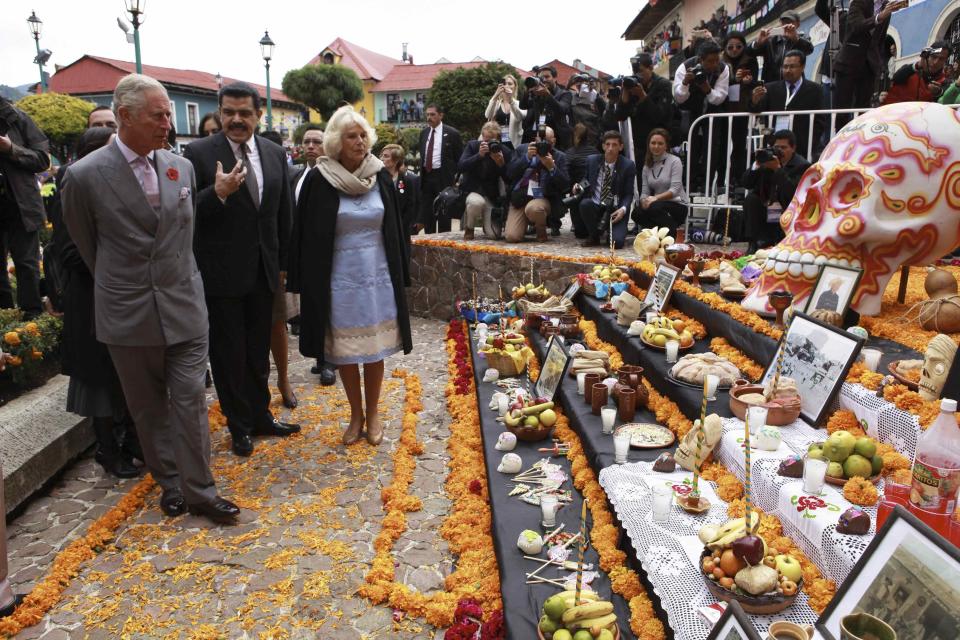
357,183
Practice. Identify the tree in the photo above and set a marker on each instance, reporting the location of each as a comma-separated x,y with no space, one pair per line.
464,94
302,129
323,87
62,118
386,134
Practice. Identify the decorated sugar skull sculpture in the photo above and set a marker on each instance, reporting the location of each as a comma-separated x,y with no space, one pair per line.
885,193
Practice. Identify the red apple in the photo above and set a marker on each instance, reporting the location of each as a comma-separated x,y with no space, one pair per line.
749,548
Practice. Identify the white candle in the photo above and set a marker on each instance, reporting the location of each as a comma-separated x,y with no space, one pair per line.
814,472
871,358
621,446
608,416
713,381
757,417
673,349
662,500
548,510
580,380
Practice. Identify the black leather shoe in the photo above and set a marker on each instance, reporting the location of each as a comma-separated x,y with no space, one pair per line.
208,380
172,503
555,232
242,445
118,464
219,510
328,375
317,368
276,428
10,608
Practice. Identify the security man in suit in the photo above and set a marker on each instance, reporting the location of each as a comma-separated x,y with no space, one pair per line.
440,148
793,93
129,207
244,214
610,187
860,60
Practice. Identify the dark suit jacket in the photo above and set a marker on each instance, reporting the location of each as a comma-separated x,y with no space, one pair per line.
809,96
232,239
861,51
311,258
773,51
624,177
779,185
481,174
28,157
645,116
554,185
449,152
408,197
556,107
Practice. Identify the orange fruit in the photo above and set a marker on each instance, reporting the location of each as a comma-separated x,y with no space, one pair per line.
679,326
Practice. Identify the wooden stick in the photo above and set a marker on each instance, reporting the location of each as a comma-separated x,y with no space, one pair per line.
547,537
541,579
902,290
696,462
583,540
746,474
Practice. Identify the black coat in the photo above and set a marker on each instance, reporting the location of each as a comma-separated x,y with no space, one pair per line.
408,197
556,107
773,51
654,111
310,262
232,239
809,97
481,174
449,152
863,41
28,157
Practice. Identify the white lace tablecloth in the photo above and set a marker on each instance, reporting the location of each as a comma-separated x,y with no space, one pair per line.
883,420
670,551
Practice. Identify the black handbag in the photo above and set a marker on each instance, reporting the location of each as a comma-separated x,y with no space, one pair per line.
451,202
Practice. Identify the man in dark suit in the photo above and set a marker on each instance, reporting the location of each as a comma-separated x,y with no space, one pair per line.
483,164
774,48
547,104
610,177
793,93
242,230
649,105
440,148
539,179
860,59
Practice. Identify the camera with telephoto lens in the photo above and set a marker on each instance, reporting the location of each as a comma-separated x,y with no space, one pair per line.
543,147
607,206
699,74
494,146
532,82
574,198
620,84
765,155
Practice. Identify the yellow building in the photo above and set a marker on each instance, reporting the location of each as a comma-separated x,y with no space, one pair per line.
369,65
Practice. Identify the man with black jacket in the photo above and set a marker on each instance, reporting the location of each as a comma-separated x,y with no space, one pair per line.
860,59
440,148
649,105
547,104
770,188
538,175
483,164
24,152
773,48
922,81
793,93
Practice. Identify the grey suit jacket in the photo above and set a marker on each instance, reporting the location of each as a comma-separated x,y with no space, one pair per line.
148,290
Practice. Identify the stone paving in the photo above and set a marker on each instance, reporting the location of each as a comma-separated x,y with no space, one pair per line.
291,568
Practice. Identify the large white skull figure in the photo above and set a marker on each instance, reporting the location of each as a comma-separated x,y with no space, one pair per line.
885,193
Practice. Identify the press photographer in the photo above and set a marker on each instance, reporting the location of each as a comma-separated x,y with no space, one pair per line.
773,44
538,175
860,60
924,80
645,98
771,183
546,104
608,193
482,165
587,107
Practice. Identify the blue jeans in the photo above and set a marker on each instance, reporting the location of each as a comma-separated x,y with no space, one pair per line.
592,214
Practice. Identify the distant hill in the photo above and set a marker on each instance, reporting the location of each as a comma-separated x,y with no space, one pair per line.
11,93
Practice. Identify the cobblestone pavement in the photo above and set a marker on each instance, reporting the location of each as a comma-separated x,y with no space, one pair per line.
290,569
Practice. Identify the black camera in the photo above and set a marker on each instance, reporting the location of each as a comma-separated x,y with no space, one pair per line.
929,51
765,155
532,82
699,74
603,227
574,198
543,147
619,84
495,146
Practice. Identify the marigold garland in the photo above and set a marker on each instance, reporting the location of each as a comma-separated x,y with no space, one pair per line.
748,367
860,491
589,329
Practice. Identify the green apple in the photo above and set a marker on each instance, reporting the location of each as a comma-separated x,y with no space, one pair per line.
532,421
865,447
548,417
548,626
789,566
562,634
816,446
816,454
582,634
835,451
835,470
877,464
857,465
554,607
605,634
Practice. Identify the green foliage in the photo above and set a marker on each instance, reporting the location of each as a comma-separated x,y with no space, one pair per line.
386,134
409,139
323,87
26,344
62,118
302,129
464,94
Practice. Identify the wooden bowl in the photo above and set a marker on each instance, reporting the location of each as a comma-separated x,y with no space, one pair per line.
777,416
757,605
839,482
701,506
530,435
910,384
616,633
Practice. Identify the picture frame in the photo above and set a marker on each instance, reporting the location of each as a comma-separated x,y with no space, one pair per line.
825,296
909,577
818,357
552,371
734,624
572,290
663,280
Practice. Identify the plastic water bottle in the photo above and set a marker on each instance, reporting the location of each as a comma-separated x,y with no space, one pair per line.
936,471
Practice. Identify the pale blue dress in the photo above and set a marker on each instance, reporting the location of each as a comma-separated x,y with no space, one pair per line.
363,311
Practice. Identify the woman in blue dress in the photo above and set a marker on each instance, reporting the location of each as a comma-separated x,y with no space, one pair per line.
348,261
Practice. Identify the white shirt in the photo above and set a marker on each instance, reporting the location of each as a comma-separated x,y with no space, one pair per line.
303,176
133,159
254,155
437,146
599,189
717,95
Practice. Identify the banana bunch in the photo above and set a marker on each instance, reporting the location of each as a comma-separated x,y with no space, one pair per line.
587,361
563,619
715,537
650,243
608,274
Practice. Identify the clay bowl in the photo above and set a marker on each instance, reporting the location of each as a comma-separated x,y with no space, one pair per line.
530,435
757,605
910,384
777,416
700,506
616,633
679,254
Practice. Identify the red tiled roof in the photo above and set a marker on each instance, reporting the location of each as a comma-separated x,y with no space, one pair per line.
369,65
566,71
408,77
95,74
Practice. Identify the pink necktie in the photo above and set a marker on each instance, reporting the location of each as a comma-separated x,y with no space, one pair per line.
148,180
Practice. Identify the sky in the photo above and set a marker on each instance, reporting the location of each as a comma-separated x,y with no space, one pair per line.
223,36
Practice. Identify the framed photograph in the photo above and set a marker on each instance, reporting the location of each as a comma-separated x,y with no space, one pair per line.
572,290
909,578
817,356
834,289
553,370
734,624
661,286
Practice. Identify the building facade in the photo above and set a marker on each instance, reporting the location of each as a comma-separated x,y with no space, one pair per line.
372,67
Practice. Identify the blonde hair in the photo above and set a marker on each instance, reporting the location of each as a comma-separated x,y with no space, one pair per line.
396,153
490,127
131,92
341,120
516,85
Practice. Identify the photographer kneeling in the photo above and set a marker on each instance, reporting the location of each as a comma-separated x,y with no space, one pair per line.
771,183
538,173
482,165
608,193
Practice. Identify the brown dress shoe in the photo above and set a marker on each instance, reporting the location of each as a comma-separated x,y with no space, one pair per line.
542,235
352,435
468,234
375,436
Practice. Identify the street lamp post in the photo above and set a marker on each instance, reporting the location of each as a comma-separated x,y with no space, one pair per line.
266,48
36,24
135,9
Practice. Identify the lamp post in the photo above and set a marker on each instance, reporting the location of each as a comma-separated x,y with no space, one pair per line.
135,9
219,79
266,48
36,24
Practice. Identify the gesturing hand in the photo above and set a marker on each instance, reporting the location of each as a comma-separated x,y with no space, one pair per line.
227,183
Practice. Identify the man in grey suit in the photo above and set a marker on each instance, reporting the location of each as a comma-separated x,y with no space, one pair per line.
129,208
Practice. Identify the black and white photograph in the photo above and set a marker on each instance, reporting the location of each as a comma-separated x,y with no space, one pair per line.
909,578
553,369
734,624
572,291
661,286
834,289
817,357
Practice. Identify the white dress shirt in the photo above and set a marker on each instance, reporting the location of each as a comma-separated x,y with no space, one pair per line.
437,146
717,95
303,176
254,155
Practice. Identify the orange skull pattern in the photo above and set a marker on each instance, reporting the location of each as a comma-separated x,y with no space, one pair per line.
885,193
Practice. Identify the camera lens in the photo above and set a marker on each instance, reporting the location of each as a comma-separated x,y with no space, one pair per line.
531,82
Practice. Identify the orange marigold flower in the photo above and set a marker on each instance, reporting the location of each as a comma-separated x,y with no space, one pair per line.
860,491
12,338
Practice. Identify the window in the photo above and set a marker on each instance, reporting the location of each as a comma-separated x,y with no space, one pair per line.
173,116
193,118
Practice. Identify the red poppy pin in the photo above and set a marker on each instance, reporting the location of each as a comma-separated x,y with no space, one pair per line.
173,174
